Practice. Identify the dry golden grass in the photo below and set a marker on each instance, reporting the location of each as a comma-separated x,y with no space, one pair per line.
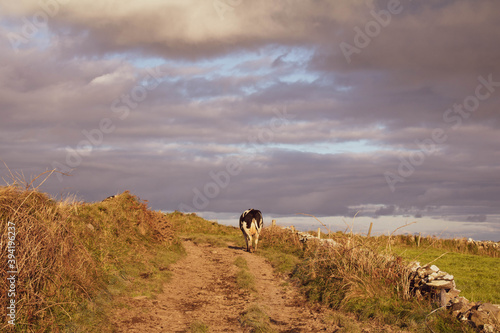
280,239
352,270
44,248
66,251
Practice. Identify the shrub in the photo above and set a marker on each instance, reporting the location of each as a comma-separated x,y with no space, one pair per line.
355,277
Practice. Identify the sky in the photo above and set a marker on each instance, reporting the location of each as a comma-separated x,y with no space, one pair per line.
352,111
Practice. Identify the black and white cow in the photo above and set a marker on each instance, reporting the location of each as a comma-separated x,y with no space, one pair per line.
251,224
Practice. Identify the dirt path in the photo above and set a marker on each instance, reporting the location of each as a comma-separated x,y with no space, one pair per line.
203,289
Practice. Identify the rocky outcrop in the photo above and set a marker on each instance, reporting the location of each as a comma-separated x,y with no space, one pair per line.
430,282
485,317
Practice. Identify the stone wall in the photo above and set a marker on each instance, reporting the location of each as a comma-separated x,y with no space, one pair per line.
430,282
484,244
305,237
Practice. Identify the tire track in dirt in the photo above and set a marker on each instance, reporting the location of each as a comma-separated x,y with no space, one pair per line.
203,288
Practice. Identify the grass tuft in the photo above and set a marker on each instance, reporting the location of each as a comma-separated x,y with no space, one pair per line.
256,320
343,323
199,327
241,262
244,279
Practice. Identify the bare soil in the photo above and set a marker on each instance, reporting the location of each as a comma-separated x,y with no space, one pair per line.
203,289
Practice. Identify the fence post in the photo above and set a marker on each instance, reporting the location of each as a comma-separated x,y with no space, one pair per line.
418,241
319,233
273,223
370,230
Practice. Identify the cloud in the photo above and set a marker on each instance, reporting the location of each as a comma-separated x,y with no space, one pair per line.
477,218
224,78
188,29
387,210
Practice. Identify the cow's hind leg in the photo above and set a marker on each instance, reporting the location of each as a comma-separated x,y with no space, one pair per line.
246,241
249,244
256,241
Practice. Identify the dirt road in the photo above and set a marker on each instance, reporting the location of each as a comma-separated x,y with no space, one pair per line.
203,289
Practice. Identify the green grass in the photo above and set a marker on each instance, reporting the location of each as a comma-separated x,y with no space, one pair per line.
189,224
343,323
256,319
201,231
241,262
244,279
282,248
476,276
283,263
199,327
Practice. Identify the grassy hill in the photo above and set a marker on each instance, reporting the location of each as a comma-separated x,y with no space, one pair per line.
76,261
73,258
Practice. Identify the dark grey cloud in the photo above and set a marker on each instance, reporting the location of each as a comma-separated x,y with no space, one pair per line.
477,218
168,100
386,210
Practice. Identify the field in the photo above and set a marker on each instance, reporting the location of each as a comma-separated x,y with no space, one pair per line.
80,262
475,275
